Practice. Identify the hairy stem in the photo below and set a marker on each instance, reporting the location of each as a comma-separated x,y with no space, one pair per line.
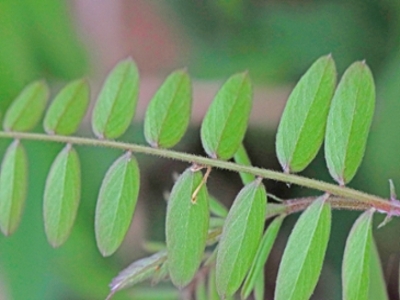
358,198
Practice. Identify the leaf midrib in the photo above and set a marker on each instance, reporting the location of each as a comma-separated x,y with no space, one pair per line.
308,113
240,87
175,92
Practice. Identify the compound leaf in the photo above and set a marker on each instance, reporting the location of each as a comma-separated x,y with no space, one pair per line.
186,225
349,120
13,187
168,114
62,196
116,103
302,126
67,109
356,261
116,203
304,253
240,238
262,254
225,122
26,110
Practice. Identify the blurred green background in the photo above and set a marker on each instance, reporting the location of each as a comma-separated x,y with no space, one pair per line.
275,40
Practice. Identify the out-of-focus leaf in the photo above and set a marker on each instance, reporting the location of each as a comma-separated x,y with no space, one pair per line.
302,126
116,103
116,203
212,286
54,42
160,274
13,187
304,254
377,285
259,287
67,109
26,110
168,114
349,121
242,158
62,196
217,208
138,271
201,292
240,238
262,254
225,122
186,225
356,261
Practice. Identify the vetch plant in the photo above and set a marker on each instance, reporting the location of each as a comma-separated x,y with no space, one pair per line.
218,252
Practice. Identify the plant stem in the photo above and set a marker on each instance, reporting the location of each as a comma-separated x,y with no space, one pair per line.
361,199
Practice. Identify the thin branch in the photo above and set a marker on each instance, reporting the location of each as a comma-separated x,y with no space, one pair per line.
358,198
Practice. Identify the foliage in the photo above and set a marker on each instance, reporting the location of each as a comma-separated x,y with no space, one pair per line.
228,247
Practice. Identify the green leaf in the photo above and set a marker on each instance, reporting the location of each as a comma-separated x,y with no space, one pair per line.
356,261
116,103
186,227
225,122
200,292
116,203
240,238
377,285
262,254
138,271
212,286
26,110
217,208
302,126
62,196
68,109
304,253
160,274
242,158
349,121
168,114
259,288
13,187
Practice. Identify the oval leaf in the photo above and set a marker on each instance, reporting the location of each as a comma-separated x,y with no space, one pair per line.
13,187
225,122
186,224
240,238
61,196
116,203
26,110
349,121
262,254
168,114
302,126
68,109
356,261
304,253
116,103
